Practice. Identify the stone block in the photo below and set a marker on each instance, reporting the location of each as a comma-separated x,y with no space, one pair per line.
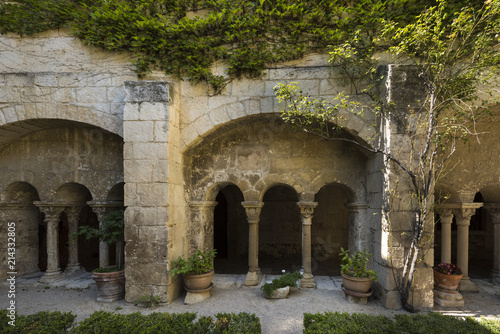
193,298
135,291
147,91
160,132
153,111
138,131
152,194
391,299
446,299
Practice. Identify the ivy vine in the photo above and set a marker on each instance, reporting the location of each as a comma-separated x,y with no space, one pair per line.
186,38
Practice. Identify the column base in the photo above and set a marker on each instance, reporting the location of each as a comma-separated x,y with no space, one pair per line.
253,278
447,299
71,268
467,286
308,281
52,276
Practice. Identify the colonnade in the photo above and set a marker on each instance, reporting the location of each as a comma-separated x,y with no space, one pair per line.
202,218
52,212
462,212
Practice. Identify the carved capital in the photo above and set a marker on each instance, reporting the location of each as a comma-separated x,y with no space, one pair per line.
252,210
307,211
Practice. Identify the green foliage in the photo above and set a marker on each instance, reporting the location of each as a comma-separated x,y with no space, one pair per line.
40,323
355,264
432,323
198,263
288,279
148,301
108,269
110,231
182,323
188,38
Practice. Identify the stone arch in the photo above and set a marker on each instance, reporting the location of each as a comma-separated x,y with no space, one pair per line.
213,119
331,227
116,193
18,212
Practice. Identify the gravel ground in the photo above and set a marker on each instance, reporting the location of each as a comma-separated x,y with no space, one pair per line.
276,316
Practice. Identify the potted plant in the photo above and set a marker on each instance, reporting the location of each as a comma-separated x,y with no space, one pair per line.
110,281
355,275
196,270
447,277
280,287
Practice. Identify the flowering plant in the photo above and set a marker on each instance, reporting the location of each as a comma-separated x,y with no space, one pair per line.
448,269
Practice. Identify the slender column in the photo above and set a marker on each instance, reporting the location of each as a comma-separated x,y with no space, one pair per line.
493,210
73,215
202,225
306,214
52,213
446,219
99,209
463,216
254,274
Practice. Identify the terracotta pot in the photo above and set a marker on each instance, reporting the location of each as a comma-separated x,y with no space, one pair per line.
111,286
198,282
361,285
446,282
279,293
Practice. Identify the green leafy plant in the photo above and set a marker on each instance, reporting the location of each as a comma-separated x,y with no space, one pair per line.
199,263
110,231
148,301
288,279
355,264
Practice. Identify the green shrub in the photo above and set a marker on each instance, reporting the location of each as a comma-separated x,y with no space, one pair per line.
337,322
432,323
241,323
39,323
288,279
166,323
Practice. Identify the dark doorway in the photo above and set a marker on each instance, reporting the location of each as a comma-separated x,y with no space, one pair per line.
230,232
280,231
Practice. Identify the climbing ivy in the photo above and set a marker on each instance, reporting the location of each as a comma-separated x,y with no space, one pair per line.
186,38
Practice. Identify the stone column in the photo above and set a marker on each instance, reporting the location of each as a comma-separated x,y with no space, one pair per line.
252,210
359,232
493,210
306,214
446,219
100,208
462,217
52,213
202,225
73,215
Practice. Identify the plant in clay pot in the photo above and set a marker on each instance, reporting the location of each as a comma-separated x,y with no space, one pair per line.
280,287
447,277
355,275
110,280
197,270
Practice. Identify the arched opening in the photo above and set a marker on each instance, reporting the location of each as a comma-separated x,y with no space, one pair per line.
481,242
330,229
230,232
280,231
17,208
75,196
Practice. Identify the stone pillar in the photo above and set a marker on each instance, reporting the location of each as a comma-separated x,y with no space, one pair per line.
24,218
306,214
202,225
359,232
150,157
52,214
73,215
493,210
462,217
446,219
254,274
